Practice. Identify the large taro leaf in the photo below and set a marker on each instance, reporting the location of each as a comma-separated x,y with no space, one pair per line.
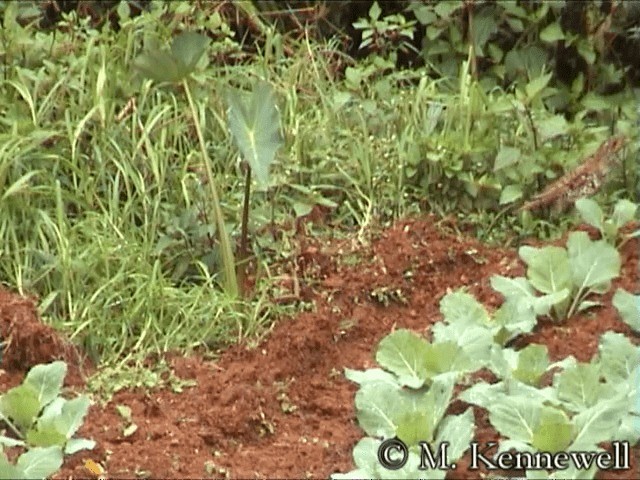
174,65
256,128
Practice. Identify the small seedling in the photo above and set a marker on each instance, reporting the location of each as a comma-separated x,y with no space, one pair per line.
129,428
42,422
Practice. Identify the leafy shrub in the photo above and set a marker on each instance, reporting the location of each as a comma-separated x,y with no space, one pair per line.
43,422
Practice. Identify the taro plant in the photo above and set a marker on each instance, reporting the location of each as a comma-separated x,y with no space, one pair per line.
255,126
42,422
408,401
565,276
624,212
175,66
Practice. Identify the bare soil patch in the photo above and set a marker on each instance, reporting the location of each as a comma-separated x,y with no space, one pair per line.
284,409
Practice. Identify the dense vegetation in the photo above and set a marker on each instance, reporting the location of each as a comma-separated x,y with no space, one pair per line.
450,107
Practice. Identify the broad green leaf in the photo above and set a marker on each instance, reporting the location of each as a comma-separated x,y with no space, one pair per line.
552,33
512,319
599,423
517,445
435,402
47,380
340,99
45,435
533,362
72,415
457,431
53,410
595,101
513,288
424,14
446,357
548,268
482,394
552,127
375,11
413,427
510,194
521,291
484,25
515,417
434,113
592,264
382,410
618,357
40,462
623,212
446,9
175,64
124,11
9,471
590,212
370,375
586,50
376,405
188,48
579,387
474,340
21,405
256,129
158,65
76,444
535,86
554,431
503,361
353,76
405,354
464,308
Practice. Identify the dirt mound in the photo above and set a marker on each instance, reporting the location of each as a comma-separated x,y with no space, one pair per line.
28,342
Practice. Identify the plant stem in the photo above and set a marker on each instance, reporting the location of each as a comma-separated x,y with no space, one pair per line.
15,429
230,283
576,302
244,242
